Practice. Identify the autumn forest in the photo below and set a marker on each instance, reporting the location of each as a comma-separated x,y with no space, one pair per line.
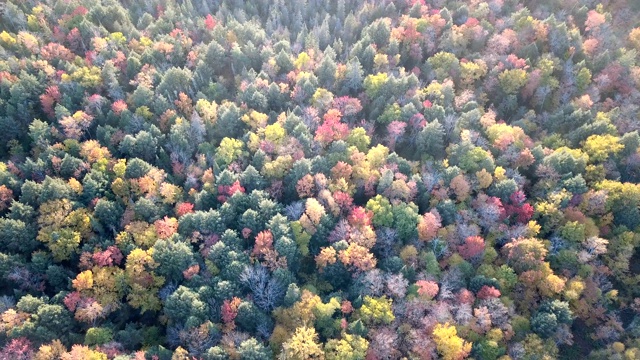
335,180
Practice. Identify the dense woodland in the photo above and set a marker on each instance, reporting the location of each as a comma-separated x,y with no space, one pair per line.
413,179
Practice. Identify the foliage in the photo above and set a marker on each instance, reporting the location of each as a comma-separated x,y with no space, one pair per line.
343,180
449,344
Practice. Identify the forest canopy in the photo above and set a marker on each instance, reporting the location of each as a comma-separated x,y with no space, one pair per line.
413,179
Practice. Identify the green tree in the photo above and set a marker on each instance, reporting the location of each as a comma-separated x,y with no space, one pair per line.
228,151
358,137
98,336
470,158
445,65
567,161
382,211
186,307
373,84
512,80
405,220
174,82
600,147
173,257
253,350
430,140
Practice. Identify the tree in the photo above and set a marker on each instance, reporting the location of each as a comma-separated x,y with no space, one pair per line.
544,324
449,344
253,350
98,336
431,139
61,228
600,147
427,289
565,160
19,349
229,312
525,254
373,84
428,225
472,248
144,284
444,64
108,213
550,316
470,158
143,145
331,129
268,292
186,307
302,345
634,37
349,347
173,257
326,70
53,350
382,211
535,348
16,236
174,82
460,187
376,310
487,349
83,352
353,77
228,151
44,321
512,80
358,257
405,220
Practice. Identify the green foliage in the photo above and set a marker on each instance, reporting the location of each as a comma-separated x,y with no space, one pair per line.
373,84
185,306
431,140
405,220
470,158
173,257
565,160
350,347
444,64
228,151
382,211
310,180
252,350
98,336
512,80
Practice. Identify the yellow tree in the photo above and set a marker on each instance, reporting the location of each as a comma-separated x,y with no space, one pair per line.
143,283
512,80
349,347
634,38
449,344
303,345
108,286
376,310
600,147
51,351
83,352
62,229
300,313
